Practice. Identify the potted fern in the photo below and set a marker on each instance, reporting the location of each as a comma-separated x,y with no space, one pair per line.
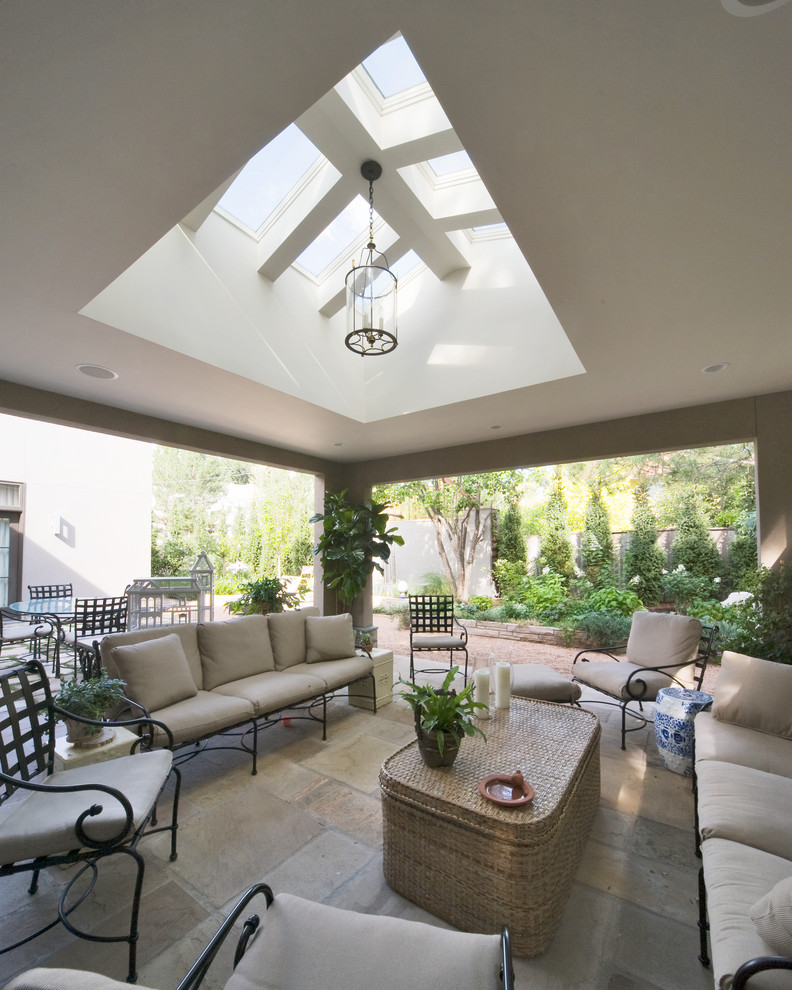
443,717
90,698
263,596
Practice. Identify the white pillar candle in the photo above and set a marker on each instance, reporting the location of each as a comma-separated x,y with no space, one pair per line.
502,684
481,690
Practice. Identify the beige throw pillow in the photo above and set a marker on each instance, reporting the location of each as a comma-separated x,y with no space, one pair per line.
287,636
754,693
329,637
772,915
156,672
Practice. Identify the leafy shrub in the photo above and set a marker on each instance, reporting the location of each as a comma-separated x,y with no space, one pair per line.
509,575
480,602
545,596
227,586
763,623
603,628
507,612
682,588
613,600
433,584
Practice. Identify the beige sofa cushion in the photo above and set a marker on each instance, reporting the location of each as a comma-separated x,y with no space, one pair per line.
754,693
234,648
185,631
329,637
204,715
745,805
737,876
287,636
729,743
156,672
660,640
772,915
276,689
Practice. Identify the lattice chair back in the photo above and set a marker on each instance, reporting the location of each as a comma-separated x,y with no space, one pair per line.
432,614
100,616
39,591
27,726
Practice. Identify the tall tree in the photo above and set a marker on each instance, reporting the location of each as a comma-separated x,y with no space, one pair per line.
693,547
596,545
457,508
557,553
645,561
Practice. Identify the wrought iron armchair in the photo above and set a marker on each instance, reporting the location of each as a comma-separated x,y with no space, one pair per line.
75,816
93,619
313,947
434,628
663,650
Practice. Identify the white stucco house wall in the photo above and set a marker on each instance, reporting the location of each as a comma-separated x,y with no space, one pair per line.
75,507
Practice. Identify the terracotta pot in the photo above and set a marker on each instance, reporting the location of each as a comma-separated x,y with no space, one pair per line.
80,734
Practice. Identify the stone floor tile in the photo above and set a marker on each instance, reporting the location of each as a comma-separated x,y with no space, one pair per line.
355,761
335,805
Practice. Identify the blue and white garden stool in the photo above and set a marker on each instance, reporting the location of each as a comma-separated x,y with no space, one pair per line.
674,714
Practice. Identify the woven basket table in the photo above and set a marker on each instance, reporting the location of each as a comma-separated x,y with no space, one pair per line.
477,864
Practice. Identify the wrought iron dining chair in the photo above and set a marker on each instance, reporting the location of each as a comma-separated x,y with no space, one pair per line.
38,591
95,618
16,634
662,651
76,816
435,629
312,946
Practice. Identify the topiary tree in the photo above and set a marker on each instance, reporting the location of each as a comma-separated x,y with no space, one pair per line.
645,561
512,554
693,547
557,553
596,545
742,561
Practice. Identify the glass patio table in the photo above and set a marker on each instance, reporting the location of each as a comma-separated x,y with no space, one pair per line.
55,611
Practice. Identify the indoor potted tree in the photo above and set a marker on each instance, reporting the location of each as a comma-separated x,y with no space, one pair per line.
265,595
355,538
442,717
90,698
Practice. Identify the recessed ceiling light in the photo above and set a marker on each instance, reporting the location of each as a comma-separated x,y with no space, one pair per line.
750,8
713,369
97,371
496,427
338,444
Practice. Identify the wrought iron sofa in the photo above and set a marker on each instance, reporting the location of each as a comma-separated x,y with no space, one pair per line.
227,678
743,786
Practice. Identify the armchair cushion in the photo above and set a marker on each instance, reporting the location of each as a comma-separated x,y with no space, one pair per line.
156,672
661,640
329,637
234,648
42,824
772,915
754,693
314,946
65,979
437,641
611,676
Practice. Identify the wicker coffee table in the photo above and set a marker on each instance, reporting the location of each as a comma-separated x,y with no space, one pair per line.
479,865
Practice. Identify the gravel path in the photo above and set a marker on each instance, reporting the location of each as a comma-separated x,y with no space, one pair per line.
485,650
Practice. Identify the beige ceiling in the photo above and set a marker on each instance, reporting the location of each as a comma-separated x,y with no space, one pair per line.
638,152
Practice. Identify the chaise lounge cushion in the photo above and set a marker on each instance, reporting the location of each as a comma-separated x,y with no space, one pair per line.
156,672
754,693
772,915
329,637
232,649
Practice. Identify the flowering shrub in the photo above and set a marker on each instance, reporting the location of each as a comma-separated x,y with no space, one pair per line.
682,588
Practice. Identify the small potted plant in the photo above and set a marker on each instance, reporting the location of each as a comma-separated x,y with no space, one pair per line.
442,717
265,595
87,699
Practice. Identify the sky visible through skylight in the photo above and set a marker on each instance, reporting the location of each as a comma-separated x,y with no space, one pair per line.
269,177
458,161
393,68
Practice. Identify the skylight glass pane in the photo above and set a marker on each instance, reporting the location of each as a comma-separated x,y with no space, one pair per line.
405,264
269,177
458,161
336,237
393,68
501,225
